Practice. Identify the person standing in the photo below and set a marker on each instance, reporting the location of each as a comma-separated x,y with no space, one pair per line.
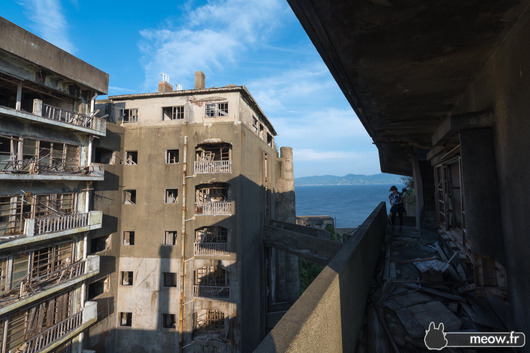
396,206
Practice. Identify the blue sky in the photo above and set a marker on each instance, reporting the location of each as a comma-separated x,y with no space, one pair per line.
257,43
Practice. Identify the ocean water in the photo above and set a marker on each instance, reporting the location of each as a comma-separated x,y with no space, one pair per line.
350,205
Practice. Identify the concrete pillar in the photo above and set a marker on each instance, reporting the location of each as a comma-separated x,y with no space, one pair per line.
200,80
418,187
481,196
285,206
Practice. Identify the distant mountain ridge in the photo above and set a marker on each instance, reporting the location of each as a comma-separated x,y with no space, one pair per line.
350,179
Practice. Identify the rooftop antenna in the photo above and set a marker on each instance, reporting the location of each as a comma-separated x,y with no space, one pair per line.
165,77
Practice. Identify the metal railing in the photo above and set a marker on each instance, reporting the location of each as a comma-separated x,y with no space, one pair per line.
213,167
219,208
211,291
210,249
67,116
53,334
60,223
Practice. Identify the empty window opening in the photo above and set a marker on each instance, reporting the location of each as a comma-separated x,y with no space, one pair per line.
269,140
216,109
213,152
99,287
129,115
213,199
126,319
128,238
214,234
170,279
100,244
131,157
126,278
169,321
208,323
172,156
255,124
170,237
129,197
171,196
173,113
216,192
103,156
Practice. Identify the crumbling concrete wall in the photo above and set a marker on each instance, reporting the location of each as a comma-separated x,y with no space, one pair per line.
504,86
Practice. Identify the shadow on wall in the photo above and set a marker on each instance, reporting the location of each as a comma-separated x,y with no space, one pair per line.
219,283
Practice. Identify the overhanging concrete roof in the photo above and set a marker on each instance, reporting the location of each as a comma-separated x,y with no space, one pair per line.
25,45
403,64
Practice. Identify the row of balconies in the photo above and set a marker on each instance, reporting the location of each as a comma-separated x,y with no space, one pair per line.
61,117
25,339
38,229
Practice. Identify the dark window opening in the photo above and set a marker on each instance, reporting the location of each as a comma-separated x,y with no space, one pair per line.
129,197
131,158
126,278
169,321
170,279
172,156
126,319
128,238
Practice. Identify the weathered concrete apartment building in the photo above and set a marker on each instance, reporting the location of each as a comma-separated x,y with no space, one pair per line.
143,223
47,126
192,178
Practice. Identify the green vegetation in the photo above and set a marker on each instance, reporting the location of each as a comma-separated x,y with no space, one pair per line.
307,270
409,197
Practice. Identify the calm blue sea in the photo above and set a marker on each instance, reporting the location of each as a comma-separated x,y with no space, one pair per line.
348,204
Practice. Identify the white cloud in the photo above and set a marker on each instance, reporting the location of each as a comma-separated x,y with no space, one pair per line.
49,22
208,38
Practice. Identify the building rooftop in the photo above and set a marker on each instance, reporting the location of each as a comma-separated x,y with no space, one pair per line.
187,92
38,52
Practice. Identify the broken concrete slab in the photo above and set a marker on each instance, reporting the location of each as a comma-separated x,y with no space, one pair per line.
412,299
435,312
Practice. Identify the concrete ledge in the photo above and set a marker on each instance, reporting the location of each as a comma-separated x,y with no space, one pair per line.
314,249
328,316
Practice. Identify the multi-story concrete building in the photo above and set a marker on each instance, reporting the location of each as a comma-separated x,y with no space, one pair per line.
47,125
192,178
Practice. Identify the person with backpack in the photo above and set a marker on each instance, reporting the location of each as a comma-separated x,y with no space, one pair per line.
396,206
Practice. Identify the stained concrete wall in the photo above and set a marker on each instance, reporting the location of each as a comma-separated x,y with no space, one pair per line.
28,46
328,315
504,86
151,137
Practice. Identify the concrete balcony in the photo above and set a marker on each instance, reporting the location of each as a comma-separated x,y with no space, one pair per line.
200,291
214,208
31,288
38,229
213,167
31,170
211,249
55,116
61,332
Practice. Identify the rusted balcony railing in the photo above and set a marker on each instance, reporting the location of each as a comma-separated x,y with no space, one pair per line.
53,334
211,291
213,167
60,223
219,208
211,249
67,116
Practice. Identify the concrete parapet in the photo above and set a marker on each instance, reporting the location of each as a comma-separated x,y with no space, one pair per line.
328,315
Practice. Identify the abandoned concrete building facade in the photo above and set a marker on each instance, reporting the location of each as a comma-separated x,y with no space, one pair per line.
134,223
191,178
47,126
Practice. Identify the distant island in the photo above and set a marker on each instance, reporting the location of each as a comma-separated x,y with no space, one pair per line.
350,179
